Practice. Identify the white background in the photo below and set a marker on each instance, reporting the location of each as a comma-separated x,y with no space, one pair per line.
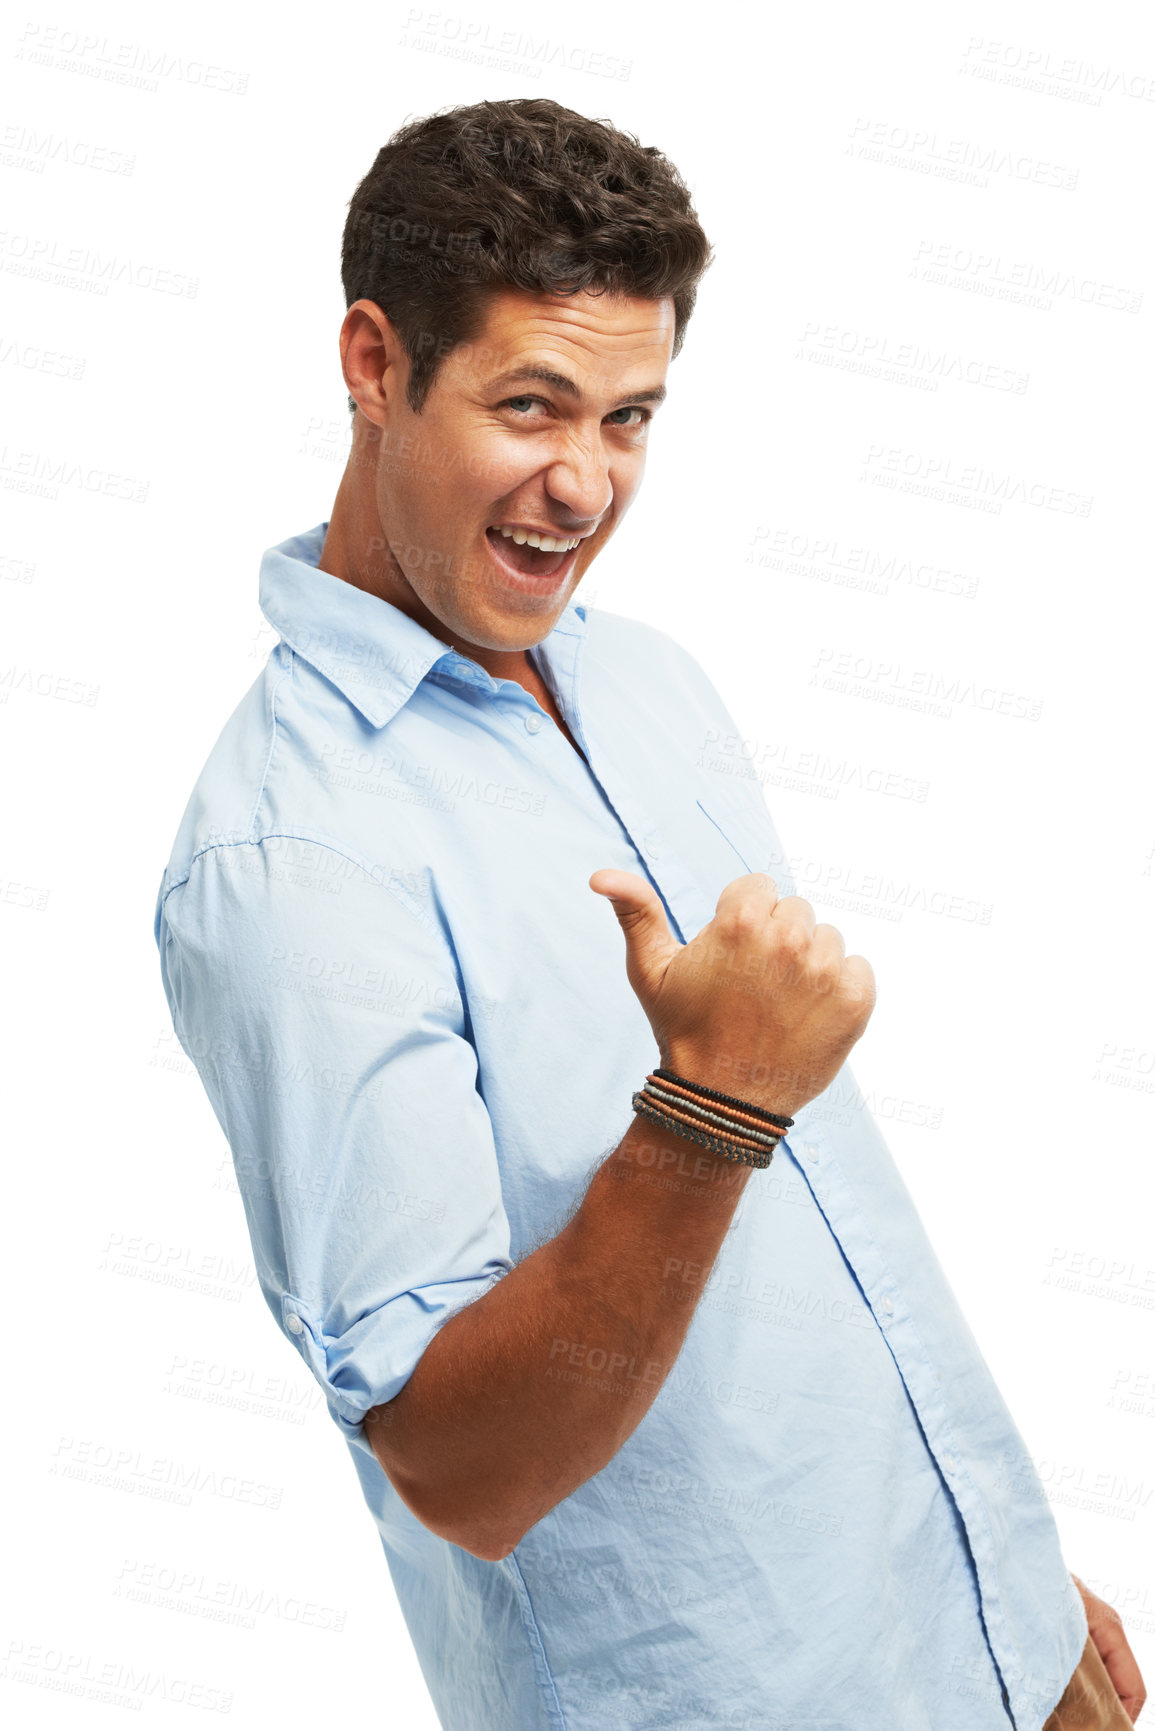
957,195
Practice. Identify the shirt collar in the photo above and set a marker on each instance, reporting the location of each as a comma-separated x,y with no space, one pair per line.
374,654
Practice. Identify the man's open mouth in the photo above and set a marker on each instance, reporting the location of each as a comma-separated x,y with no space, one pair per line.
515,548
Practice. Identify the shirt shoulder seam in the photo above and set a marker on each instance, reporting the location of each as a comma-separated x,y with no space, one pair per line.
371,871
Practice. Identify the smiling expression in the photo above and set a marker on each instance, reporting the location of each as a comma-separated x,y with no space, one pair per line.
535,428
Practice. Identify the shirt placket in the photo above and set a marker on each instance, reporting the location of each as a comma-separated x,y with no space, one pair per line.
819,1164
687,908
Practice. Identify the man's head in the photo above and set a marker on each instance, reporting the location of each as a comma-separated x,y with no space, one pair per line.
487,247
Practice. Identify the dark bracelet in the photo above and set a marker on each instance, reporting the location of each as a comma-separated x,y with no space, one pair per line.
712,1116
714,1144
727,1099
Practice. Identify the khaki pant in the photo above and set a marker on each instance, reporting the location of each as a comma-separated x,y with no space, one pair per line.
1089,1702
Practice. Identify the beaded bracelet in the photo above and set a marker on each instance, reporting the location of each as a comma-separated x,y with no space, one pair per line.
698,1114
679,1105
726,1099
715,1144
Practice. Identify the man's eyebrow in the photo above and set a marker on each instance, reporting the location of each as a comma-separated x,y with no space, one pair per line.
547,376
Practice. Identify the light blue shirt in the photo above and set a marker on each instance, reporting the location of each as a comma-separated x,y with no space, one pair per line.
412,1017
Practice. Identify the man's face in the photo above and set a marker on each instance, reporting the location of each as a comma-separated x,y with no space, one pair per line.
500,446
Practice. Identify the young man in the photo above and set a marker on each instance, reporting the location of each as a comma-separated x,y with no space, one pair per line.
650,1437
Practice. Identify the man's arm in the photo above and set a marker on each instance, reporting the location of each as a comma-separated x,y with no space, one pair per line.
535,1386
323,1015
531,1389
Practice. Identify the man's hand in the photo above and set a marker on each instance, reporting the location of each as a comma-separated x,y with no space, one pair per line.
763,1003
1106,1630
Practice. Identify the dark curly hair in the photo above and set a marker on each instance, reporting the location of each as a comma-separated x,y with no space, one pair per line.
523,194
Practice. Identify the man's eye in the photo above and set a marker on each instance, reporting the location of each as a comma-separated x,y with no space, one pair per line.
633,409
522,405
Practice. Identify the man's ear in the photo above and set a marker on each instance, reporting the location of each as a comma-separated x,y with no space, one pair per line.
374,364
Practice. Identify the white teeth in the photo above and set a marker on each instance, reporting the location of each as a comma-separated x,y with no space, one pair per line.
547,543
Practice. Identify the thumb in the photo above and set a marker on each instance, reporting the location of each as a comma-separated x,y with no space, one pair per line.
650,944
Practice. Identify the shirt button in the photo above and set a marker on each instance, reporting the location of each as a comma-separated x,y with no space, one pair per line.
886,1307
650,843
533,722
294,1324
949,1461
810,1151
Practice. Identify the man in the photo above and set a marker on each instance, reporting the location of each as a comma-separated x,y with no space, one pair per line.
650,1438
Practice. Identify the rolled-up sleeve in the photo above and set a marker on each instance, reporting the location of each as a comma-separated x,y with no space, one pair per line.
323,1013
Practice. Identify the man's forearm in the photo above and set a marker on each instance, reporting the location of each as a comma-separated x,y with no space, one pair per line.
529,1391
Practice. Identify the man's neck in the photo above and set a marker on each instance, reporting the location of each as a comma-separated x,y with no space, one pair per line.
346,532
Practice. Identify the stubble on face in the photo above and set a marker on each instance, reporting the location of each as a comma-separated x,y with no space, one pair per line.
424,488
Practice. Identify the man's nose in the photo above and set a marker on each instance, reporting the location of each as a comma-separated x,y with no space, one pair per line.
580,481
